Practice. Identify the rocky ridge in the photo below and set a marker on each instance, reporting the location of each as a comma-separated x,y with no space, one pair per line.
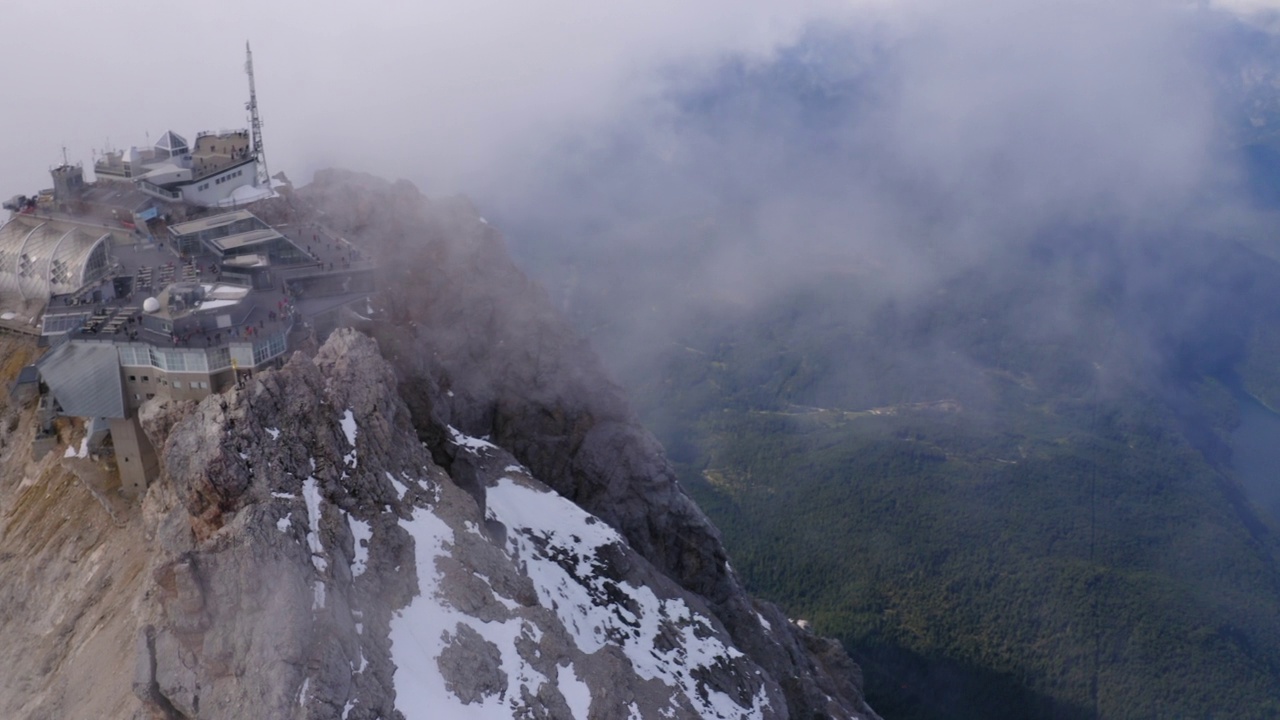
334,539
478,346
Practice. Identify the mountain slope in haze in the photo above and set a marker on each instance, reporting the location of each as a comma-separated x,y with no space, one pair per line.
334,538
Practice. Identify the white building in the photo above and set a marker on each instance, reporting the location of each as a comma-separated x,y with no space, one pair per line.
206,175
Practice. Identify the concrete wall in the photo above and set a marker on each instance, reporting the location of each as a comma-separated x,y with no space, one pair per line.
135,458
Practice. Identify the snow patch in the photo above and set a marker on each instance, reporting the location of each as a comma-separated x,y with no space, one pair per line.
274,433
349,426
362,531
82,452
400,487
283,523
559,544
577,695
311,494
421,631
474,445
350,430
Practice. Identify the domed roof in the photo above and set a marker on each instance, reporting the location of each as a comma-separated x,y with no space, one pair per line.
150,305
41,257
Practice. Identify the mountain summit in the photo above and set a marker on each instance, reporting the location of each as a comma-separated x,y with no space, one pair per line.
452,513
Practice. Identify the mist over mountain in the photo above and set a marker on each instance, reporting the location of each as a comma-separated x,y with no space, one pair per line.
951,320
960,321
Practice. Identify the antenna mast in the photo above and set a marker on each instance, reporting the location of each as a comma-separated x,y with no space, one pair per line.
255,123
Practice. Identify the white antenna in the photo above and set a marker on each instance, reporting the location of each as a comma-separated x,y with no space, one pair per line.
255,123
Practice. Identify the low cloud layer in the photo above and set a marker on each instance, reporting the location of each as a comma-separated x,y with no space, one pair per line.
724,149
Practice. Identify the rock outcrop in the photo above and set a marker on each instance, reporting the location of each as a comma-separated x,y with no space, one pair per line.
310,559
477,346
366,533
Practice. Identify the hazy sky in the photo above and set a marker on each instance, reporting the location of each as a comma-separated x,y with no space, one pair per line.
443,93
450,95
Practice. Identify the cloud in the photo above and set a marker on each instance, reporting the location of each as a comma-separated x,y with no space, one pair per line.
445,94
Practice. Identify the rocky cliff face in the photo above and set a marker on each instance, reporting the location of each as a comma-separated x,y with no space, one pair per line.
335,539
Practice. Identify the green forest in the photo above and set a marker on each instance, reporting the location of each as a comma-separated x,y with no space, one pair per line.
998,518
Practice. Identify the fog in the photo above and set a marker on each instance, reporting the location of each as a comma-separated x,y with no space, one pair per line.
673,172
714,152
452,96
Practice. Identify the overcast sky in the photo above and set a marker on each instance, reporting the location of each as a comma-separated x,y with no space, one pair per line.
442,93
449,95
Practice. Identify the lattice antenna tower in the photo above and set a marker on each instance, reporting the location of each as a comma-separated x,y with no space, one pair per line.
255,123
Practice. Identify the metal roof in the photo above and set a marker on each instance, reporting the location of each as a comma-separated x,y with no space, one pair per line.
212,221
85,379
253,237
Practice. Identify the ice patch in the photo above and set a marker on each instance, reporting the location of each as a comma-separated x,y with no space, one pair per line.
577,695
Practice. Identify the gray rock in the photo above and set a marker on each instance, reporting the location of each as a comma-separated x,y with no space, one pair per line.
478,347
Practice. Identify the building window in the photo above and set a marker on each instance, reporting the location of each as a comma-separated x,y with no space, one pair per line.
133,378
146,378
150,395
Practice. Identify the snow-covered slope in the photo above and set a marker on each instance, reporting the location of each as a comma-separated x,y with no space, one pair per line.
330,568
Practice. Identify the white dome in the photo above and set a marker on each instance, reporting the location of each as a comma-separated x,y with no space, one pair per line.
150,305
